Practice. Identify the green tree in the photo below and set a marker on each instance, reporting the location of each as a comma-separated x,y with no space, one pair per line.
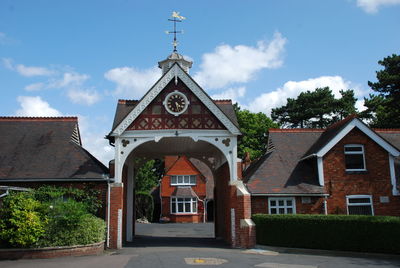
148,176
315,109
254,128
383,109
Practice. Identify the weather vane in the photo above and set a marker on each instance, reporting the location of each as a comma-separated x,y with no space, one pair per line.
175,18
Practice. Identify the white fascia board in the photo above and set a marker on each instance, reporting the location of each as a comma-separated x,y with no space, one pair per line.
393,180
288,195
366,130
174,73
181,132
320,165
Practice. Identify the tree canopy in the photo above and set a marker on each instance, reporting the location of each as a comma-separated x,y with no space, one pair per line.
315,109
148,175
254,128
383,109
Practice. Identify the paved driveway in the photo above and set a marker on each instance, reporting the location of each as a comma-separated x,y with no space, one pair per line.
168,251
175,229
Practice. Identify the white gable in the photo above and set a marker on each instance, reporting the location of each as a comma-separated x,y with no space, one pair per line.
174,73
366,130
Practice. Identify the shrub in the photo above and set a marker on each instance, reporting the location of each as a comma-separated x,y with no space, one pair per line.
89,229
144,205
21,223
70,224
88,196
339,232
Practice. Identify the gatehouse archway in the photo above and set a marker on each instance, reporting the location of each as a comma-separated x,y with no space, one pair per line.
176,117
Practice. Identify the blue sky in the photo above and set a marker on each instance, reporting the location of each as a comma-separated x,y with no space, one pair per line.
65,58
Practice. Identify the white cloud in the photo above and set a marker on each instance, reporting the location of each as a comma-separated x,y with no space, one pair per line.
27,71
239,64
372,6
232,93
35,106
360,105
32,70
34,87
69,79
86,97
291,89
93,138
131,82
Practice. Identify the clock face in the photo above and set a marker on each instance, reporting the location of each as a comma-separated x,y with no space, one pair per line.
176,103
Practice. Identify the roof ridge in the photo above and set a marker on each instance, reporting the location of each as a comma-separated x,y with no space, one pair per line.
38,118
124,101
223,101
386,129
291,130
342,122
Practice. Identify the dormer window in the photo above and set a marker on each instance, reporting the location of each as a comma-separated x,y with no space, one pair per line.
354,157
183,180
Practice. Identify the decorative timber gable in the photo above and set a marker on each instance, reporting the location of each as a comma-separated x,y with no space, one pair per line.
155,116
149,113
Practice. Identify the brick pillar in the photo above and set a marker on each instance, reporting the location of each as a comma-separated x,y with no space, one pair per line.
245,229
116,206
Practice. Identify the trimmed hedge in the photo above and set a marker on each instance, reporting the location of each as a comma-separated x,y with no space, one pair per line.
337,232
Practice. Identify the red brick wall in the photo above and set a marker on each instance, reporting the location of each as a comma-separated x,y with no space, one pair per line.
375,181
259,204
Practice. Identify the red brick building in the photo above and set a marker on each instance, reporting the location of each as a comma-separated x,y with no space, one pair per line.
347,168
183,191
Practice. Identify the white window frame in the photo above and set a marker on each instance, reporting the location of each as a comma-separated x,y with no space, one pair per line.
360,204
277,199
177,183
356,152
192,200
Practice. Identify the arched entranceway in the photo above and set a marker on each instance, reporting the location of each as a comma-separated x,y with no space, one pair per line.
176,117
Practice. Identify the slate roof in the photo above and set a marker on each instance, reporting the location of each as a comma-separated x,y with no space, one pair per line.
39,148
207,173
124,107
280,170
184,191
285,168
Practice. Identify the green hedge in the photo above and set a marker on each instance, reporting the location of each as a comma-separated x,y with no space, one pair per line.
337,232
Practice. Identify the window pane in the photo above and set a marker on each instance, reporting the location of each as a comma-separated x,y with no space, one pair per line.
187,206
180,199
194,206
289,203
273,203
281,211
281,203
359,200
354,161
273,210
173,179
192,179
180,207
360,210
186,179
289,211
180,179
353,149
173,207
